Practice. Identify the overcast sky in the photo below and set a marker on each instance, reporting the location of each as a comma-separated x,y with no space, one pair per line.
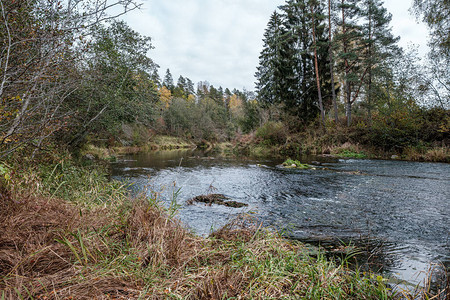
220,40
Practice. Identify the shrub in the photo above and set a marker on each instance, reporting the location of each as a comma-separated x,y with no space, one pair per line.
272,133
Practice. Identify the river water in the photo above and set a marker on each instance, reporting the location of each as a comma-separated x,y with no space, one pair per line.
398,211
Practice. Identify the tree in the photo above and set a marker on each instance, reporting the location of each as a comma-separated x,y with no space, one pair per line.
350,53
435,13
41,46
330,50
180,89
294,65
380,45
269,72
316,64
156,79
190,87
168,81
165,97
117,87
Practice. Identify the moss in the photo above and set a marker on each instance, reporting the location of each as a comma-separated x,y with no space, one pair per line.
290,163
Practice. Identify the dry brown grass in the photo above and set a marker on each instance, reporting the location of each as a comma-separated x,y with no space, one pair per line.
35,264
439,154
436,154
188,266
50,249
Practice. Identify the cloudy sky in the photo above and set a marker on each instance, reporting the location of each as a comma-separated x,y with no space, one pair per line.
220,40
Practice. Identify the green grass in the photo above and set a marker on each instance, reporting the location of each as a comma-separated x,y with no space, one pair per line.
165,142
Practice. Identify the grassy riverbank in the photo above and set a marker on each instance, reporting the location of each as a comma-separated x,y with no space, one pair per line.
69,232
353,142
158,142
276,139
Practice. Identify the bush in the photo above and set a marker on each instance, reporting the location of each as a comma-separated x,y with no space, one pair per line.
272,133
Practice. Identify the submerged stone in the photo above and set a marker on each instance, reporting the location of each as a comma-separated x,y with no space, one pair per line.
219,199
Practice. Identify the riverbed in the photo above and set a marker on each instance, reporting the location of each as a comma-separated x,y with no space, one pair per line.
398,212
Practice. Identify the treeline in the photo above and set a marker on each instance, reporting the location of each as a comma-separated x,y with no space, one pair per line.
330,61
204,112
318,55
71,72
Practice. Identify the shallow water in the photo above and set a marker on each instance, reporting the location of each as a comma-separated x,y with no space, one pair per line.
399,211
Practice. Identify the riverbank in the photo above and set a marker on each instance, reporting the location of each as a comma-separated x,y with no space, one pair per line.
158,142
276,141
340,142
69,232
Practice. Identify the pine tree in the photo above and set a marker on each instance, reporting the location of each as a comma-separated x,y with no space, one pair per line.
380,45
316,64
331,63
350,53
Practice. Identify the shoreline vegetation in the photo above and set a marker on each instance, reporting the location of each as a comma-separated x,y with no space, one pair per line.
68,232
295,146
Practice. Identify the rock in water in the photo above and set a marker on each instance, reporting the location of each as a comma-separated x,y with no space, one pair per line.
219,199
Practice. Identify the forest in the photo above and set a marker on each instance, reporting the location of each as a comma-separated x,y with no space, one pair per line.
76,82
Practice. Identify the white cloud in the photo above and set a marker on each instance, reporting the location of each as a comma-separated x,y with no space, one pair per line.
220,40
406,26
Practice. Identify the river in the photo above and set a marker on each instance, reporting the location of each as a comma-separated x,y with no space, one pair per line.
397,211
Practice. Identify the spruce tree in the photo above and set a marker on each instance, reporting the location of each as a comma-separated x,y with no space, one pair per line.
190,87
268,72
156,79
168,81
180,89
287,61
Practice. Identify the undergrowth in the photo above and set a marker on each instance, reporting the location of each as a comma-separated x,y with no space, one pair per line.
70,233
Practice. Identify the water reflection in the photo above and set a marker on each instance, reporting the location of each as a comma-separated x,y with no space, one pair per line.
398,211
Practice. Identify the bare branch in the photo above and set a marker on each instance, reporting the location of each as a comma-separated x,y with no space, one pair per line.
8,51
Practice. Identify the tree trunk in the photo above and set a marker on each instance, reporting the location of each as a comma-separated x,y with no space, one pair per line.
316,65
369,54
348,107
330,49
347,70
